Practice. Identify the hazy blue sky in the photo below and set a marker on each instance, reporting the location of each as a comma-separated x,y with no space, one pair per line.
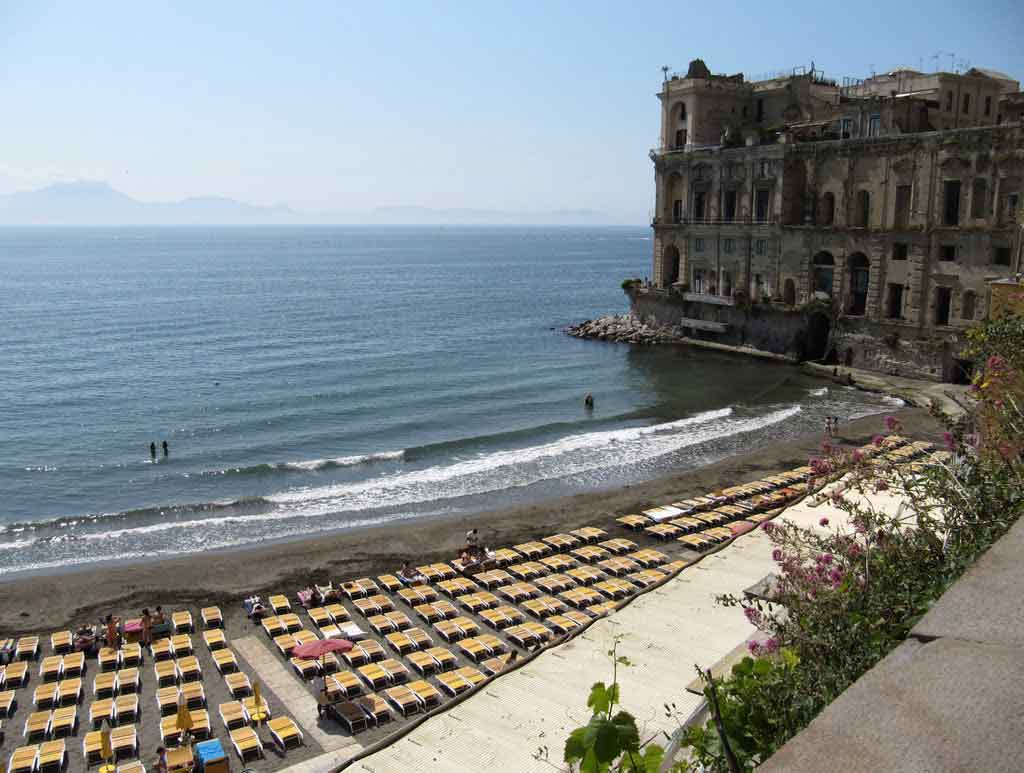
332,106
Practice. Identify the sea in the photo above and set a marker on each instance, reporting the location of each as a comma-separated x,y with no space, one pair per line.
315,379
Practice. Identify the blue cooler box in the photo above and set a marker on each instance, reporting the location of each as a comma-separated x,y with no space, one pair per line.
210,756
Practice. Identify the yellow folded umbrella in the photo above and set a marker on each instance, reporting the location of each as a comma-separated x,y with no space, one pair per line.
106,750
184,720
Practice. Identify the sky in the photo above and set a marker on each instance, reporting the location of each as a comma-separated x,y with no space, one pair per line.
333,106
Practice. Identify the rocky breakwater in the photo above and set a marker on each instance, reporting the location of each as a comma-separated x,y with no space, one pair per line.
626,328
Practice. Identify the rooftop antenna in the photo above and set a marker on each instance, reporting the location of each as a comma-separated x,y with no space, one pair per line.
952,56
935,58
664,72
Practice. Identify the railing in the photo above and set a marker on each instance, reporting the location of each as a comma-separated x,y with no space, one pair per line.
663,150
715,300
747,220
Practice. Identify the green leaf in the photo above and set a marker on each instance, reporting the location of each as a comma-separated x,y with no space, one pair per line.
599,699
625,726
606,743
789,657
652,758
574,747
762,667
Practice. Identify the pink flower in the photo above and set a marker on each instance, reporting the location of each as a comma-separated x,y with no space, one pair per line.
881,485
826,558
768,526
878,440
753,615
771,645
836,577
826,448
891,422
854,552
754,647
823,522
777,555
857,455
947,438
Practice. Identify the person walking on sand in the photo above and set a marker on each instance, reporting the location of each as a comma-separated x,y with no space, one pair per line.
165,448
152,450
147,627
828,426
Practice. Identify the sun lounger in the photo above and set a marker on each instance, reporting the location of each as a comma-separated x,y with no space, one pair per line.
126,709
127,681
45,696
375,707
193,694
166,673
214,639
161,649
291,622
37,726
212,618
130,655
581,597
527,570
124,741
64,722
634,522
189,669
51,668
396,671
343,684
52,756
200,724
181,621
618,545
400,643
521,636
422,662
585,575
91,747
533,550
474,650
104,685
426,694
8,703
61,642
246,743
306,669
74,665
403,699
494,578
24,759
448,631
181,645
505,556
101,710
280,604
131,767
167,700
453,683
285,643
27,648
225,660
285,732
238,684
444,659
320,616
232,715
337,612
273,626
170,733
581,617
15,674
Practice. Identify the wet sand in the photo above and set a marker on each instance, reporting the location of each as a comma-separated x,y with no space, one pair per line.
48,602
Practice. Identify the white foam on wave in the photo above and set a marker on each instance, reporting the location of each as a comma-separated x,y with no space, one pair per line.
895,402
572,455
342,461
818,392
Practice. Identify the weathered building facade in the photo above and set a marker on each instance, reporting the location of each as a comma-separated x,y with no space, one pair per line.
887,205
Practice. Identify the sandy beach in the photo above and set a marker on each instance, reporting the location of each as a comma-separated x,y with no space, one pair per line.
40,602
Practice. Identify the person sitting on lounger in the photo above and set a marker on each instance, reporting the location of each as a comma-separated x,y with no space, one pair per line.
254,607
409,575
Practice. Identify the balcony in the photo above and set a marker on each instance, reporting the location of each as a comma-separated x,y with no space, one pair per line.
714,221
714,300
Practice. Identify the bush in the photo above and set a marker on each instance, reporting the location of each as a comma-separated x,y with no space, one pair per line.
844,598
628,284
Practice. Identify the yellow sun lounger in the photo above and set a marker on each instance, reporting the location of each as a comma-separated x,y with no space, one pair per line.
27,648
214,639
131,655
181,644
233,715
124,741
161,649
225,660
285,732
61,642
37,726
189,669
64,721
127,681
444,659
100,711
15,674
126,709
453,684
403,699
167,700
182,621
104,685
7,703
193,695
247,744
212,618
425,693
52,756
24,759
238,684
51,668
343,683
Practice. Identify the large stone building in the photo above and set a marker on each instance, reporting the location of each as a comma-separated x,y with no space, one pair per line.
886,206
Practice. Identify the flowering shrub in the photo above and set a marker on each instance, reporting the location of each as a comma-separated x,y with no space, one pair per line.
845,596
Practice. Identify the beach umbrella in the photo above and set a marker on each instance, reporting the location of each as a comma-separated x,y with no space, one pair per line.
257,714
106,750
184,719
319,649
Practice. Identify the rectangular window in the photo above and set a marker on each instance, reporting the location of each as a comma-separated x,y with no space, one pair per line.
729,246
988,106
943,296
967,104
680,138
979,198
760,110
846,128
761,206
1001,256
698,245
949,101
947,252
730,206
1012,202
761,246
951,202
699,200
899,251
677,211
698,279
894,304
763,169
875,126
902,214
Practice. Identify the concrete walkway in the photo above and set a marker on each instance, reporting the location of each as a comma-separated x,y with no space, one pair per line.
950,698
948,397
298,703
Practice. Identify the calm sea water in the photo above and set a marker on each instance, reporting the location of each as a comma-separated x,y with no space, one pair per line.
311,379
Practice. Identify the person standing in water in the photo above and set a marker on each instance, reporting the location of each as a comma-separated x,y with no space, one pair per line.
152,450
588,402
165,448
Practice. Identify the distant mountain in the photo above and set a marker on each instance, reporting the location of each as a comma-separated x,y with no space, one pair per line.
97,203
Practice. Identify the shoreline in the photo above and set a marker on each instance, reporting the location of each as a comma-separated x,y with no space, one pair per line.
46,600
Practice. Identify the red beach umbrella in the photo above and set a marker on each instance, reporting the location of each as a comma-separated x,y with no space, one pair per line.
317,649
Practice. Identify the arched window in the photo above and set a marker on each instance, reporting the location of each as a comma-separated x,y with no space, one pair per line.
822,274
967,303
828,209
863,209
789,293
